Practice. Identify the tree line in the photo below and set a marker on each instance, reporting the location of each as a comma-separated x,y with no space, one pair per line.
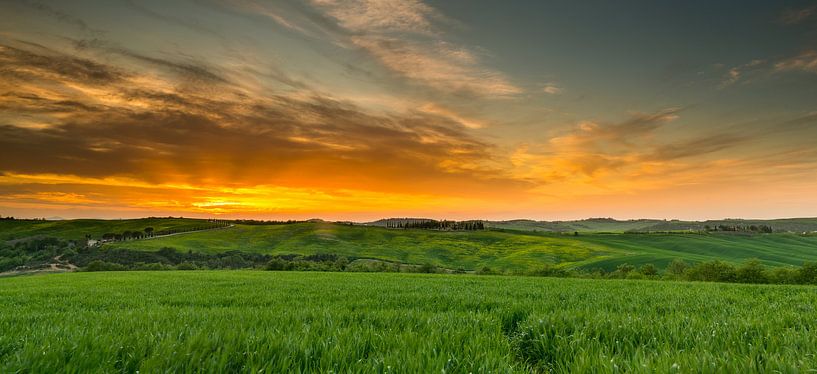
766,229
430,224
751,271
150,232
267,222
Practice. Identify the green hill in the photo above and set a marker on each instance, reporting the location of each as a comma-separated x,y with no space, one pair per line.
498,249
76,229
794,225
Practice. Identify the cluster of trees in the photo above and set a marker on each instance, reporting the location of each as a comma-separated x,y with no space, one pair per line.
21,219
151,232
126,235
95,259
33,253
766,229
430,224
752,271
262,222
331,262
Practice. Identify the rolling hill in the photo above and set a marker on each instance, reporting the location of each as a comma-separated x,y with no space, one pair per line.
506,250
601,243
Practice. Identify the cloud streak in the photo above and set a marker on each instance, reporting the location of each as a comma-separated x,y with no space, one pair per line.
100,126
401,36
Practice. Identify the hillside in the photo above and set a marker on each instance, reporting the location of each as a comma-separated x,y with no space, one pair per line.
497,249
794,225
507,250
77,229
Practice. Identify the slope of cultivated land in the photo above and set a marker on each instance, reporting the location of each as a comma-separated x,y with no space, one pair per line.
586,225
795,225
254,321
660,249
468,250
77,229
499,250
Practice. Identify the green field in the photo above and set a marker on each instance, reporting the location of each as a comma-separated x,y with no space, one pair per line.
796,225
253,321
76,229
504,250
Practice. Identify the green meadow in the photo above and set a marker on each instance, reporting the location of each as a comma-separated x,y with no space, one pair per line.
505,250
77,229
274,322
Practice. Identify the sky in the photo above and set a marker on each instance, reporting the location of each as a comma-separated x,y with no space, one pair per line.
364,109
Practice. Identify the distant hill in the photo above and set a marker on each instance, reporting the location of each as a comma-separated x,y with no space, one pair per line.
795,225
507,245
507,250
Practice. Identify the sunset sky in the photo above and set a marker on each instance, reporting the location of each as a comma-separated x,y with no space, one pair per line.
365,109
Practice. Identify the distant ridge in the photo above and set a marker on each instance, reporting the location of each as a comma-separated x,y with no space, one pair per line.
652,225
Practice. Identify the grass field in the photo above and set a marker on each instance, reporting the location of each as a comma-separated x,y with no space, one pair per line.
253,321
500,250
76,229
797,225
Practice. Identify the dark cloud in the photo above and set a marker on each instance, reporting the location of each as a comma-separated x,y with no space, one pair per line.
793,16
187,137
61,16
24,64
695,147
188,68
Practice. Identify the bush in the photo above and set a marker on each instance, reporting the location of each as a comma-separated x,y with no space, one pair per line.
186,266
676,269
427,268
99,265
752,272
277,264
784,275
622,270
713,271
649,270
634,275
152,266
485,271
548,270
807,273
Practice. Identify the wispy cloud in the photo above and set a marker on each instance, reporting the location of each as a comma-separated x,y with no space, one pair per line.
805,61
401,35
382,16
743,72
440,65
616,157
552,89
793,16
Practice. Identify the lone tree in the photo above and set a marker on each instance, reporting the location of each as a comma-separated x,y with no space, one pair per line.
149,231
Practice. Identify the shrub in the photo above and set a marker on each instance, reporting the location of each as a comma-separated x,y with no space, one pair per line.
807,273
752,272
548,270
485,271
676,268
784,275
649,270
152,266
427,268
277,264
186,266
634,275
99,265
713,271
